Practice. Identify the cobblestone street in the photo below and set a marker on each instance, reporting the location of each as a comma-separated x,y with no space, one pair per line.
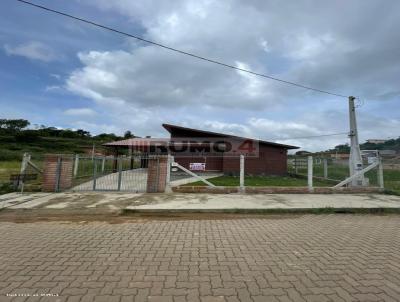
277,258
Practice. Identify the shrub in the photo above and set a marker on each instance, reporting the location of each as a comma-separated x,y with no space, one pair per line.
6,155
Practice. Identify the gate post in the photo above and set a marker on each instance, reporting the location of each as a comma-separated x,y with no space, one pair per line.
157,173
57,173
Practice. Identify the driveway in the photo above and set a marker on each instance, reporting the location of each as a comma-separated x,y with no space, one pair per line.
279,258
131,180
135,181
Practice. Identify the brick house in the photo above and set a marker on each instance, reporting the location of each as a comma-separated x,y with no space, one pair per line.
212,151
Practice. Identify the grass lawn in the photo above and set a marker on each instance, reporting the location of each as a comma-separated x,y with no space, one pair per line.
7,168
266,181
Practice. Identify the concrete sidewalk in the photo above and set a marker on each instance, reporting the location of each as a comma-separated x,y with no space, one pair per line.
193,202
209,202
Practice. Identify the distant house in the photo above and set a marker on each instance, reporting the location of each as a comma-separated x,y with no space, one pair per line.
211,151
303,152
340,155
376,141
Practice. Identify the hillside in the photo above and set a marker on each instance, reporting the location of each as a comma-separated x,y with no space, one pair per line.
16,138
392,144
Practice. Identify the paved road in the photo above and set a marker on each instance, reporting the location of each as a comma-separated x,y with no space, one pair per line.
279,258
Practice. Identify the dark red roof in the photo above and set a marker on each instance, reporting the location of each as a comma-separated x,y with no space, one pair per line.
195,132
178,131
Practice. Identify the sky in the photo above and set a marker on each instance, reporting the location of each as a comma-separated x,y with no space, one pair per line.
59,72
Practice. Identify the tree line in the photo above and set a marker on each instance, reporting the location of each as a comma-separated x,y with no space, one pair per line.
21,130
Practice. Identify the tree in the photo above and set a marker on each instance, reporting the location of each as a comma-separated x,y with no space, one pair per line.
13,125
128,134
83,133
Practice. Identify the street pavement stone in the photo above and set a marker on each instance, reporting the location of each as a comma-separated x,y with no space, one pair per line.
277,258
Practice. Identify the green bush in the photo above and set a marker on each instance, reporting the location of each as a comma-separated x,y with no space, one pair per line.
6,155
6,188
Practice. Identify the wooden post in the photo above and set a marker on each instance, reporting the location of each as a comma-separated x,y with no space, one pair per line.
380,174
325,168
242,172
310,173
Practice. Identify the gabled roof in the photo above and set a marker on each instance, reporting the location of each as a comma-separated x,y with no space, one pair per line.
174,128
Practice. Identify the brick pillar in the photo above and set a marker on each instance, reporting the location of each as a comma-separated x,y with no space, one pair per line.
157,173
57,169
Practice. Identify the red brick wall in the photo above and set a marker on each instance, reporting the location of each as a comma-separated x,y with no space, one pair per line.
51,169
270,161
213,163
157,174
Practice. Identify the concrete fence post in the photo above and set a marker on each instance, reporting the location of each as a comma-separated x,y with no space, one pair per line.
310,173
170,160
103,164
94,175
325,168
119,173
241,184
76,164
25,160
380,174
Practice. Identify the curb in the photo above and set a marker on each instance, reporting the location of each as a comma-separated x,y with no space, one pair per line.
274,190
327,210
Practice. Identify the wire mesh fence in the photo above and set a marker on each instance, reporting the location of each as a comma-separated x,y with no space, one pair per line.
109,173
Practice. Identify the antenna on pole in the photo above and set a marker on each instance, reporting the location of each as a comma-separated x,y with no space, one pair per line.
355,160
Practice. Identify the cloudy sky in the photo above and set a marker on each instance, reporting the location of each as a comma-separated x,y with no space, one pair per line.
59,72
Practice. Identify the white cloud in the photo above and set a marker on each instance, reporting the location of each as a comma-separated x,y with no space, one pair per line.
143,86
32,50
52,88
80,112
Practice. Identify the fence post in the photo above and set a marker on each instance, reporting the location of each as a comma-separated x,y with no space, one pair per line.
103,164
94,174
380,174
295,165
170,160
310,173
76,164
58,174
241,173
325,168
119,173
25,159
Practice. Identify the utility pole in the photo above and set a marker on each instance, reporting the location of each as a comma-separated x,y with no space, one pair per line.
355,160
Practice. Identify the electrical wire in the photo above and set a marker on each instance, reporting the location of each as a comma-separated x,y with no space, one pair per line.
312,136
179,51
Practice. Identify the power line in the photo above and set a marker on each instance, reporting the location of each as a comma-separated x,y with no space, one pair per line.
312,136
179,51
